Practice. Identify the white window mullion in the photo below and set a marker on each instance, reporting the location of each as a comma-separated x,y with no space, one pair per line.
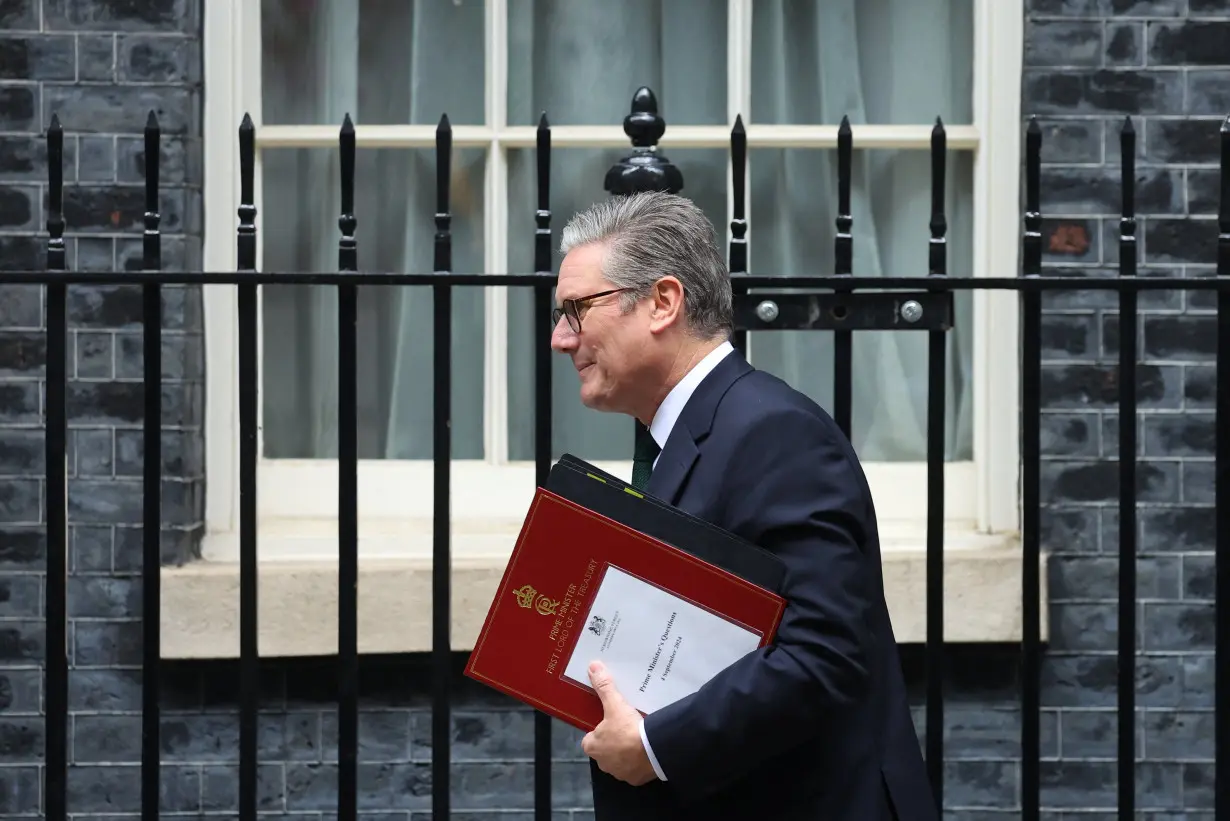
231,67
495,239
997,57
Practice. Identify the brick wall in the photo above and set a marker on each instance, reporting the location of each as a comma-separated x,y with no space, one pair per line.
1164,63
102,65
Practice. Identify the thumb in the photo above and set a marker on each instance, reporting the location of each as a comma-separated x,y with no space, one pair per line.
603,684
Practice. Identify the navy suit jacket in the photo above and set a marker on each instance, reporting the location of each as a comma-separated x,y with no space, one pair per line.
816,725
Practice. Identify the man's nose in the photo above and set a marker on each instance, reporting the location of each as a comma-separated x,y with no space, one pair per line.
563,339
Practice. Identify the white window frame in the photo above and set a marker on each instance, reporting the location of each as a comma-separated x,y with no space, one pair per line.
297,499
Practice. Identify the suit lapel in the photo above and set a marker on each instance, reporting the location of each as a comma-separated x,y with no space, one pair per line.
682,446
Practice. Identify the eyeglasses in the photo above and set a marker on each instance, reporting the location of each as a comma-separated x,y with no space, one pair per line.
572,308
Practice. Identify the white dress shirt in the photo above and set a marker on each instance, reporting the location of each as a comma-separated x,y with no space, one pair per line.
663,422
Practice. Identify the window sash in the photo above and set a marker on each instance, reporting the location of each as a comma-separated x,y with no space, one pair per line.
233,61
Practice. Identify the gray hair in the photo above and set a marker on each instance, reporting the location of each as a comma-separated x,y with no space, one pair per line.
651,235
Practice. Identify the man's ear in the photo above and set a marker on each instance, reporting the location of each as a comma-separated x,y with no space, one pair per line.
666,304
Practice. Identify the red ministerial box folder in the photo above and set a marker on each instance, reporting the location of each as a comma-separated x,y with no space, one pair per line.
580,586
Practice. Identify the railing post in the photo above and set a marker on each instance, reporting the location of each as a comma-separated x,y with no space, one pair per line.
441,555
249,416
937,350
151,490
738,220
843,266
1031,449
55,780
347,491
1221,654
646,168
1127,476
542,419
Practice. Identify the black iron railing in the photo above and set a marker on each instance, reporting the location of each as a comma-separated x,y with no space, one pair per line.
842,303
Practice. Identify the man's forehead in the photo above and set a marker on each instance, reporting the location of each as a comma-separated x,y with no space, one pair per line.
580,274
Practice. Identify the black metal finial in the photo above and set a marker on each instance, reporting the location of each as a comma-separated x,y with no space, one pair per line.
152,238
442,261
646,168
542,216
937,258
56,260
246,231
1031,256
738,175
643,125
843,241
347,246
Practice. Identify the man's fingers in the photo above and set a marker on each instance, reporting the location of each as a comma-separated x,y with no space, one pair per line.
587,744
603,684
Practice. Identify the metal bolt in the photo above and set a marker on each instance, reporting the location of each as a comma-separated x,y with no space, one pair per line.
767,310
911,311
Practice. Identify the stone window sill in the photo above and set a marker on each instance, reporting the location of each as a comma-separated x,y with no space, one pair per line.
297,594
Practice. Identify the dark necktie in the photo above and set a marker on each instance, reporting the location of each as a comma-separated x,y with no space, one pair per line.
642,460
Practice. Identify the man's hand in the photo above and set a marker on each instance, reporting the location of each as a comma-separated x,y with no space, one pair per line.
615,744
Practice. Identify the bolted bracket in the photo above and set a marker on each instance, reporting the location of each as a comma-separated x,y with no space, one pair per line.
871,311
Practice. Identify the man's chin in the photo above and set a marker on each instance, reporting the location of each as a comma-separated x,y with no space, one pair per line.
594,400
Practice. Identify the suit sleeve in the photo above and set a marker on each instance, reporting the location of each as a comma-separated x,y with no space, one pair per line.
799,496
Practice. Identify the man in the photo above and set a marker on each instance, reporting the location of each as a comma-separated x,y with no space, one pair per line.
816,725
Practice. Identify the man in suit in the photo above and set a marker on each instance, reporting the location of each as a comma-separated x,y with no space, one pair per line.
816,725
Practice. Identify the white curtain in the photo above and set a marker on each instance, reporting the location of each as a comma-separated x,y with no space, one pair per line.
409,61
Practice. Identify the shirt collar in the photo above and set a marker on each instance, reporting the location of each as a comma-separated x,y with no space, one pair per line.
672,406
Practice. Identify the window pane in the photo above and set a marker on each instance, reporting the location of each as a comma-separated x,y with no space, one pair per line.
792,213
581,60
878,61
383,61
576,182
394,204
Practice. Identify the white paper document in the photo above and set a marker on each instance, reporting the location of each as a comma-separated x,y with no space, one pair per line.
657,647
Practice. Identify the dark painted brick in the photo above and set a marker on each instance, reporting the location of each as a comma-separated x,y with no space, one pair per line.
1064,43
120,109
158,59
1203,192
19,209
1199,577
1185,141
1103,91
1124,44
21,306
1207,91
1189,43
18,14
1215,8
19,108
120,15
1180,240
21,452
1141,8
1099,190
1071,141
96,57
37,57
95,161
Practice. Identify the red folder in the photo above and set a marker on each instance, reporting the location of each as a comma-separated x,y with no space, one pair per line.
577,577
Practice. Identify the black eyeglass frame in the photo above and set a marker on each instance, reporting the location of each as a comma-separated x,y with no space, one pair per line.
571,308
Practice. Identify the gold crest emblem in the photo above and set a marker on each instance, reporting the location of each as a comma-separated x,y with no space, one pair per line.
528,597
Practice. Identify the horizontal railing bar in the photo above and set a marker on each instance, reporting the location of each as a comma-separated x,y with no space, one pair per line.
963,137
817,282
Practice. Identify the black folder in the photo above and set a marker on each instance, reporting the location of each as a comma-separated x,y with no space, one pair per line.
594,489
